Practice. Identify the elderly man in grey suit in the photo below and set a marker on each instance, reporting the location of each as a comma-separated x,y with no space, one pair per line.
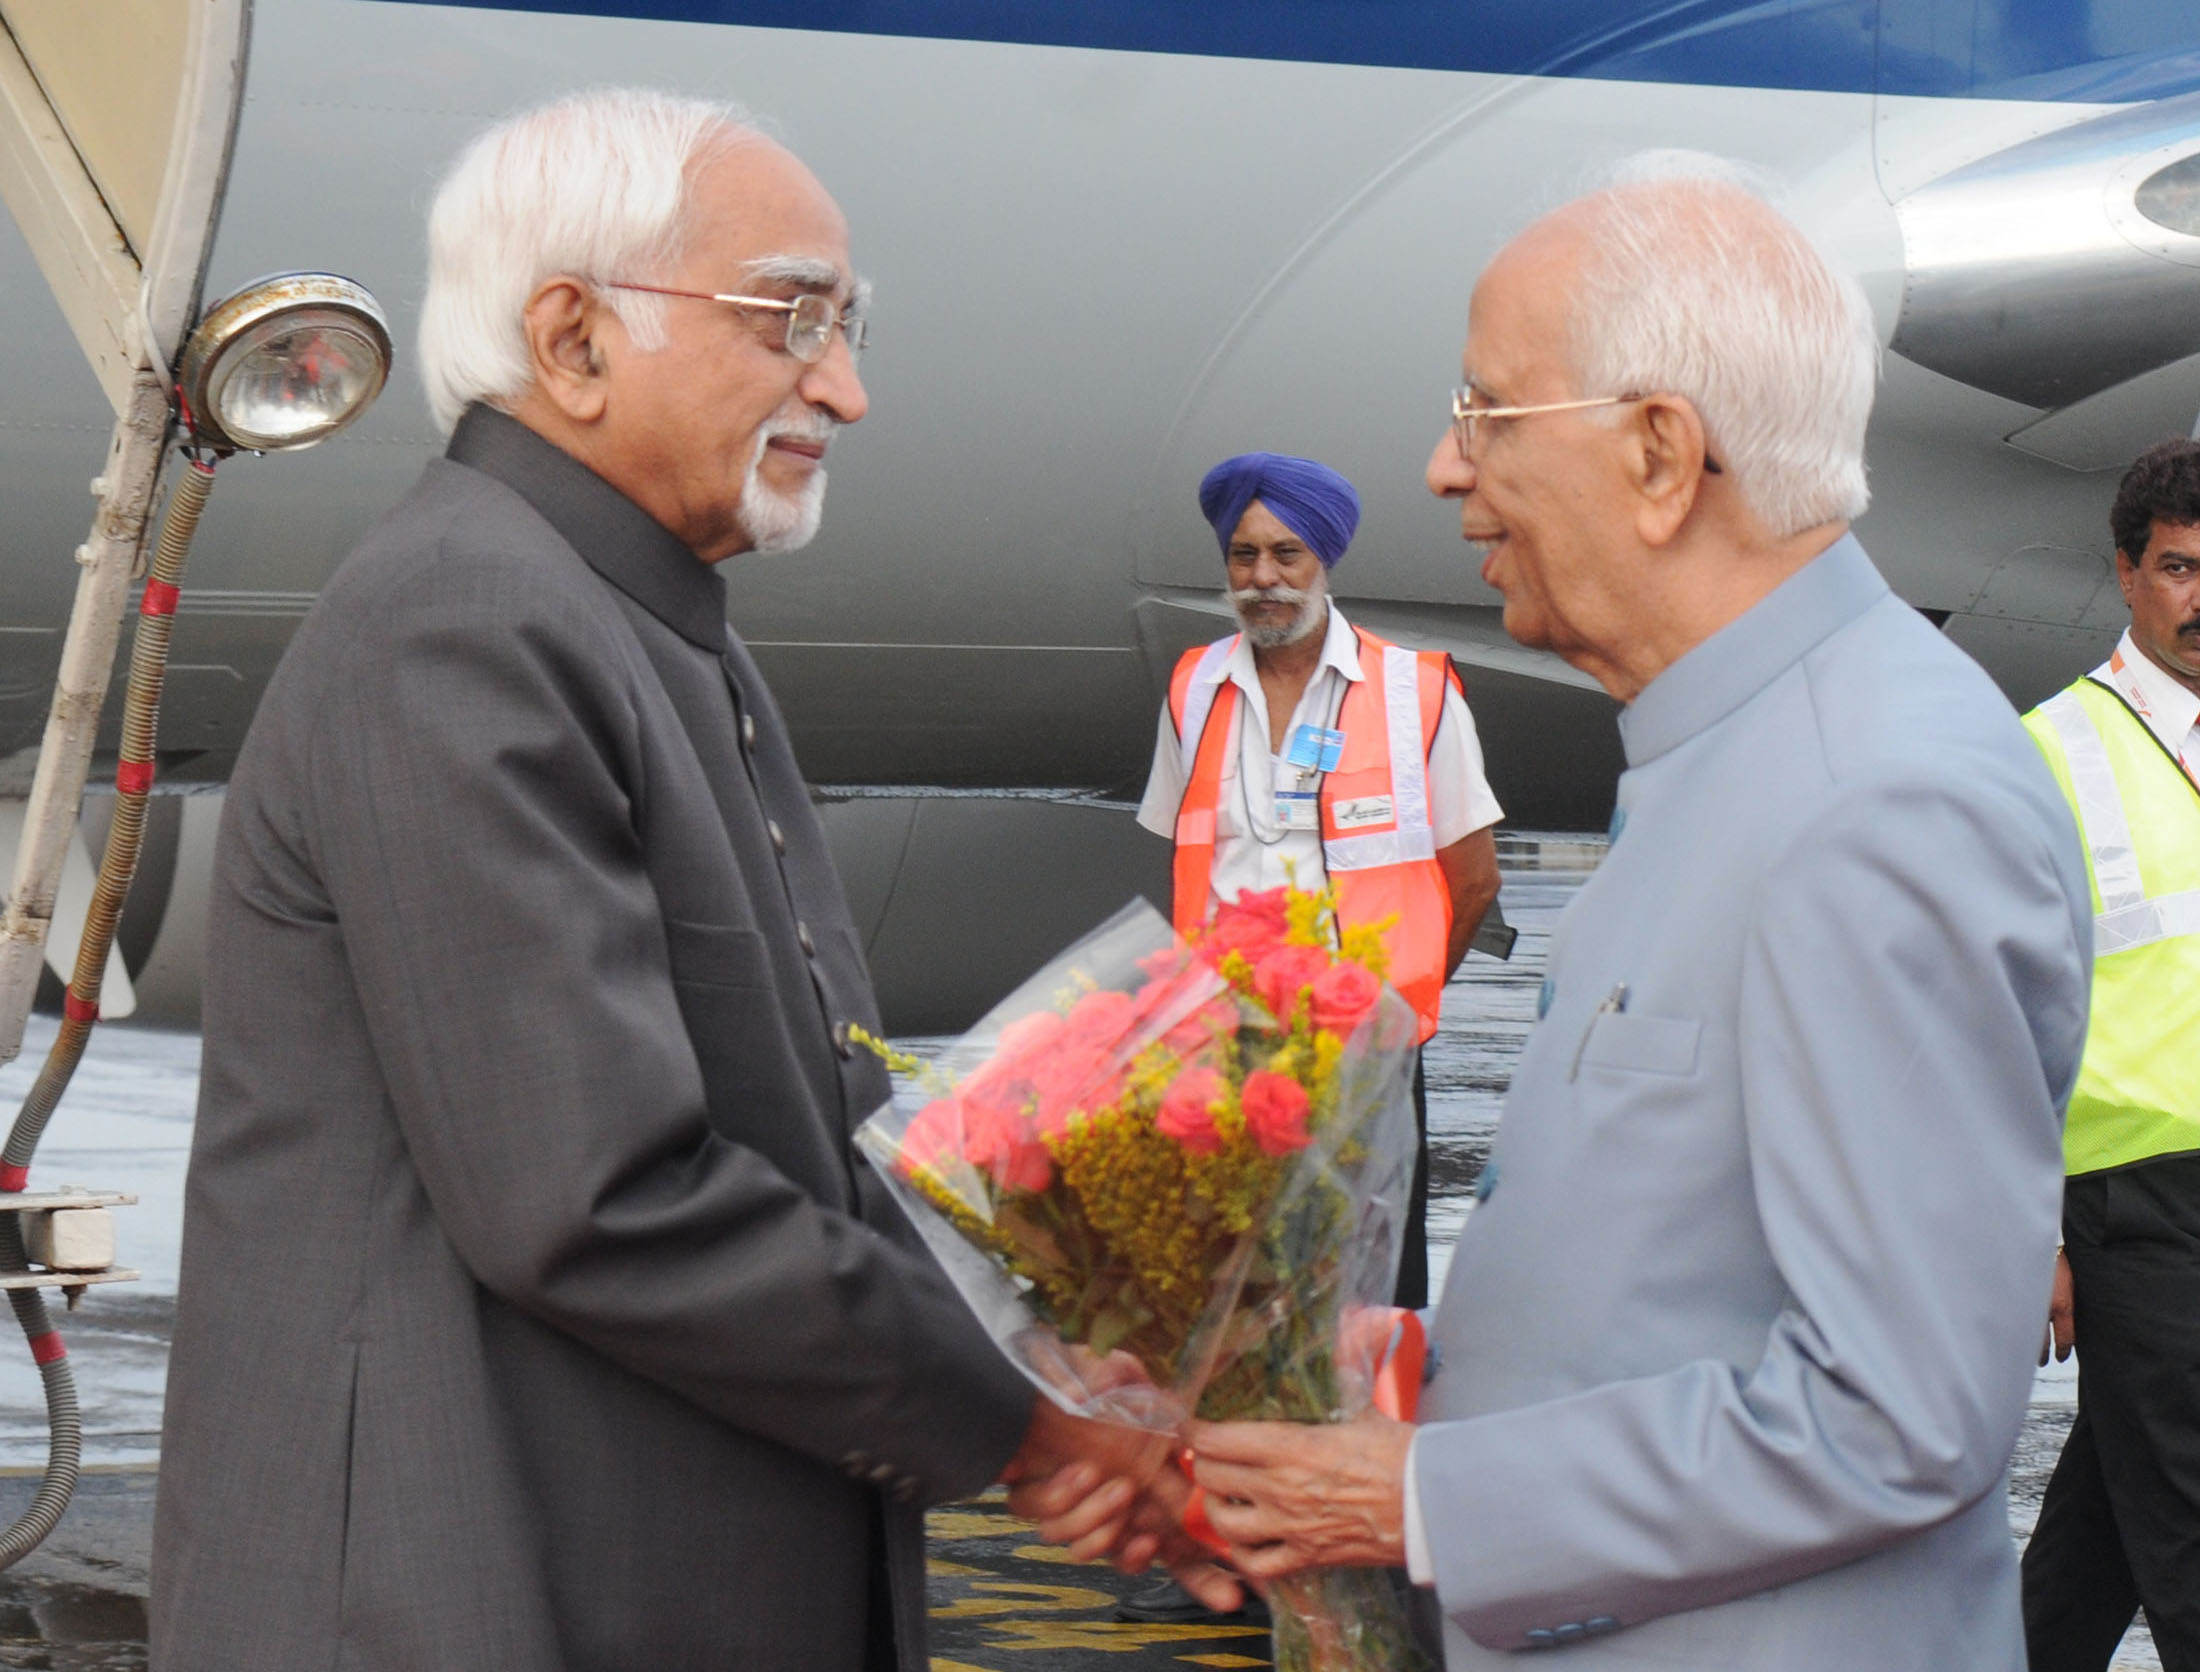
535,1312
1737,1343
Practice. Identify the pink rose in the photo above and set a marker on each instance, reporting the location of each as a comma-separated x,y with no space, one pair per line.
1007,1147
1251,924
933,1136
1272,903
1076,1078
1101,1017
1275,1112
1188,1110
1028,1034
1215,1020
1283,974
1343,994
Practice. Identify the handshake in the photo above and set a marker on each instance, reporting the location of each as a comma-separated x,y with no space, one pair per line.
1283,1497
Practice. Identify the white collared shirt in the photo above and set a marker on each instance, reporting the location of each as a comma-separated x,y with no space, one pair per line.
2171,712
1251,852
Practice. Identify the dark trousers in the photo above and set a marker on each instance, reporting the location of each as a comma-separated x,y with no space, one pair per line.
2119,1528
1413,1263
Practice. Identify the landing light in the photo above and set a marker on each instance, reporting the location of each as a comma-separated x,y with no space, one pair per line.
285,363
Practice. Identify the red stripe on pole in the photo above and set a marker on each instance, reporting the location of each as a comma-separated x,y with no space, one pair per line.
160,598
134,777
13,1178
78,1010
48,1347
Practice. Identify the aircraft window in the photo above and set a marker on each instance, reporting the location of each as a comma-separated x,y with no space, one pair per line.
2171,196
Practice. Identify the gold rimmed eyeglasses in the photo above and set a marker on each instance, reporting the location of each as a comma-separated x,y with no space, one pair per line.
811,318
1466,417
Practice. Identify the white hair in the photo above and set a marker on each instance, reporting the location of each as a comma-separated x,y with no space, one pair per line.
594,185
1698,286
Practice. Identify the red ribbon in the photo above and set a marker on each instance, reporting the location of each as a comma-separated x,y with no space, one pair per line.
75,1009
13,1178
48,1347
134,777
160,597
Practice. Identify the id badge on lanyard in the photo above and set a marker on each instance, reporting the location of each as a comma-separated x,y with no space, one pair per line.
1315,749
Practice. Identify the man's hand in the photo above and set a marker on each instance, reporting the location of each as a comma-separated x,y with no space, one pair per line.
1290,1496
1097,1516
2062,1318
1109,1491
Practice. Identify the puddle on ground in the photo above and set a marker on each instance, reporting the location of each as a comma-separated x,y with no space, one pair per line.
70,1628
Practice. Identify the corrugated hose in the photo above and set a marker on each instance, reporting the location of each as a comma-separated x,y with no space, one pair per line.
80,1008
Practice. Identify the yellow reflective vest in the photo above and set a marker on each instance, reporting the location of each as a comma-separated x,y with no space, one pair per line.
2138,1092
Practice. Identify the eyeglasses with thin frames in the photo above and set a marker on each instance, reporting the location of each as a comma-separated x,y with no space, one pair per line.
811,318
1466,416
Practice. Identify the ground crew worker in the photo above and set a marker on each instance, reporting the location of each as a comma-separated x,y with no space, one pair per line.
2119,1528
1304,747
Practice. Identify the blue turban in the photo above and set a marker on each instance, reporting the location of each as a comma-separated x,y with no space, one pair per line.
1309,499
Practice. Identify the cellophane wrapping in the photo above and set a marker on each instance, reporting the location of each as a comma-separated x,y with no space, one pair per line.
1195,1155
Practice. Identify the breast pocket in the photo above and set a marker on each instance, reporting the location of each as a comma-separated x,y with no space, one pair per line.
1642,1044
716,954
755,1091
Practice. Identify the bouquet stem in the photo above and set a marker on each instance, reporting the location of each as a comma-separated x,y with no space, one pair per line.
1342,1620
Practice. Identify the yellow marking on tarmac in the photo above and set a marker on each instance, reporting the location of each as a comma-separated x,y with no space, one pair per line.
963,1523
1104,1636
1014,1594
939,1664
1222,1660
951,1570
1051,1553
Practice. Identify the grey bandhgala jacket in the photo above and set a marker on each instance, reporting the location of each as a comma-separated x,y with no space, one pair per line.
535,1312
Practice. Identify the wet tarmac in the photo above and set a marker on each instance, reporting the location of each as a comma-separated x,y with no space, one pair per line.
1000,1600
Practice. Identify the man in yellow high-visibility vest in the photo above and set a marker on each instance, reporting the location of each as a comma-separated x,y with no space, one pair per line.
2119,1528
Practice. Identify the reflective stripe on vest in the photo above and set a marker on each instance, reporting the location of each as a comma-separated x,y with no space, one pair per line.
2138,1090
1413,837
1200,697
2127,918
1380,875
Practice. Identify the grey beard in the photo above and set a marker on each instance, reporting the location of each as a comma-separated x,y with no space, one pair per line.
779,522
1312,604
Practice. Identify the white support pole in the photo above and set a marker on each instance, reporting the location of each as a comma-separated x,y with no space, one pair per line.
130,309
109,559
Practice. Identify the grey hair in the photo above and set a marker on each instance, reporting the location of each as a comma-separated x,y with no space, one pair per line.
1698,286
594,185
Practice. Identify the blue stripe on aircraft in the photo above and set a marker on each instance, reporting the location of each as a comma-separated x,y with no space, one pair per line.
2042,49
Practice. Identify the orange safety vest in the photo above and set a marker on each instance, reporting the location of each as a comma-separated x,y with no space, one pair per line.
1378,842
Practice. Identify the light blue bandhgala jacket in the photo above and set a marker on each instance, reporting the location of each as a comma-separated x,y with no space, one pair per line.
1737,1346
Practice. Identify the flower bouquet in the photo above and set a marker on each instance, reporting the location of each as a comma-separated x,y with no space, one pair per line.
1194,1153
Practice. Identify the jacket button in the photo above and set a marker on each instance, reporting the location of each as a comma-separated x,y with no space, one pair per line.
778,836
855,1463
1542,1637
1596,1625
841,1042
802,934
748,731
905,1489
1570,1631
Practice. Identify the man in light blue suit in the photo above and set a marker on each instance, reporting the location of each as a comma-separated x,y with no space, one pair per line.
1736,1347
